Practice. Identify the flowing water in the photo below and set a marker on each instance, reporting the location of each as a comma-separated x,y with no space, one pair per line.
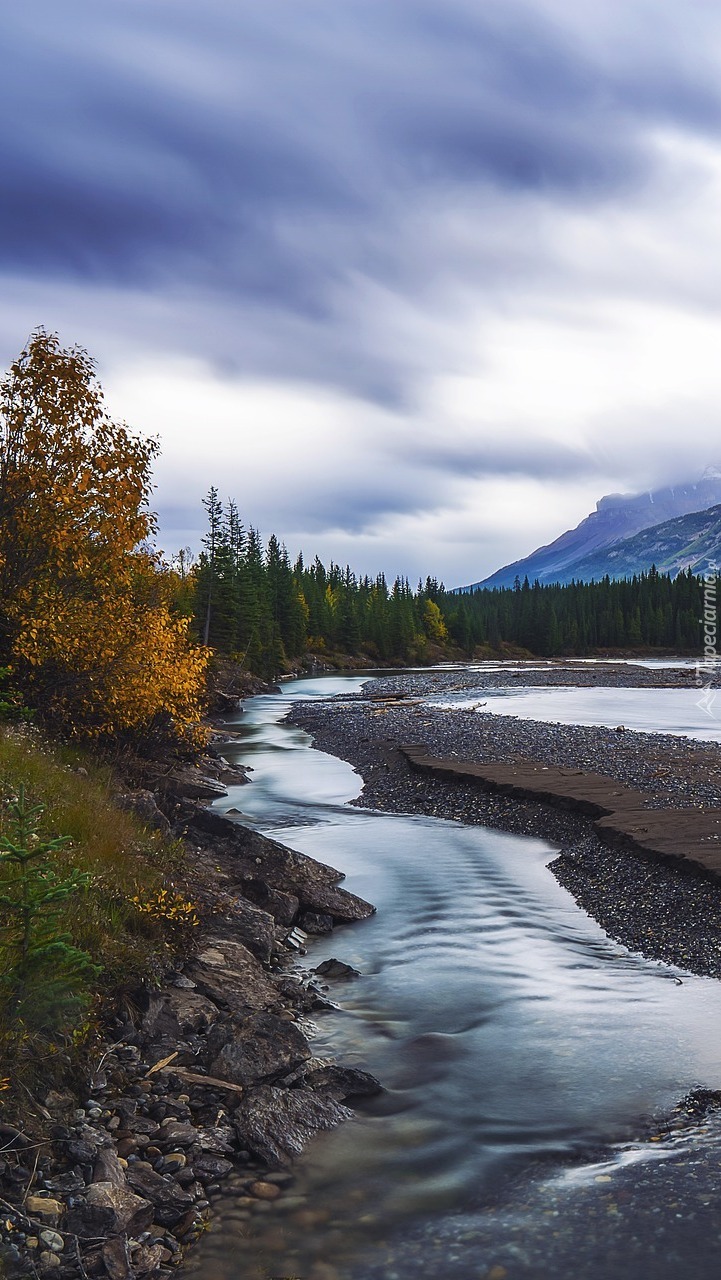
505,1025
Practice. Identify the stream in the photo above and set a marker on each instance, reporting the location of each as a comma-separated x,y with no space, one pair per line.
510,1032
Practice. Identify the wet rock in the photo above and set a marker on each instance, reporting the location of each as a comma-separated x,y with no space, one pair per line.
254,1048
264,1190
344,1082
52,1240
337,969
174,1133
147,1259
276,1124
176,1013
190,784
316,922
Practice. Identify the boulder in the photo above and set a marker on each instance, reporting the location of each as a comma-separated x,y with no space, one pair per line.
143,804
175,1013
248,1050
316,922
226,973
253,927
276,1124
343,1082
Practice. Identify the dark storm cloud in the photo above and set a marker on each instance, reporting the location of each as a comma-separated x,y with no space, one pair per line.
264,151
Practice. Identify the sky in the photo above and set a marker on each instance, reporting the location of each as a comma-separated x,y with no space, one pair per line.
414,282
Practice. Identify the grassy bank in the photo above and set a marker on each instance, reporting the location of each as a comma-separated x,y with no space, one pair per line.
120,913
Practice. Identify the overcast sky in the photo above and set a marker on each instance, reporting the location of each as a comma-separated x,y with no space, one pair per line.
414,281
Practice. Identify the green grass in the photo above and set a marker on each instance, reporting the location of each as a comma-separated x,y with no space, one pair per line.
123,860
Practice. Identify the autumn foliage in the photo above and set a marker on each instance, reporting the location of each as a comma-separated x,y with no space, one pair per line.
87,617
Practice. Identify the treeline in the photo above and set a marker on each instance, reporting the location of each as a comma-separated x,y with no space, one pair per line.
650,610
250,601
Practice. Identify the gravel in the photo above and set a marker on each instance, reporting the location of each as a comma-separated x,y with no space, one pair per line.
663,910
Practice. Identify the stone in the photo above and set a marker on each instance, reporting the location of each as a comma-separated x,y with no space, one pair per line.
116,1256
108,1168
124,1210
147,1259
229,975
316,922
49,1261
170,1200
253,927
52,1240
337,969
175,1160
276,1124
176,1013
143,804
208,1167
175,1133
343,1082
282,906
256,1048
264,1190
45,1209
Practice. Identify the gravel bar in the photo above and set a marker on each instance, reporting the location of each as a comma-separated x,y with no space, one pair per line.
665,911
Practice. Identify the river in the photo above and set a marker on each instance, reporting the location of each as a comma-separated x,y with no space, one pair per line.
507,1029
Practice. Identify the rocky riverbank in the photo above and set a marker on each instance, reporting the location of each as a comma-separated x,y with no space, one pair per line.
207,1083
664,910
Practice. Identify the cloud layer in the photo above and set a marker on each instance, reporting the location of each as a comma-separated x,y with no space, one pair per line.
414,282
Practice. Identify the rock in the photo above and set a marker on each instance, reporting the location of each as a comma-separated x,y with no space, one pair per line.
273,864
255,1048
264,1190
231,977
143,804
175,1160
276,1124
220,1140
49,1261
116,1256
147,1259
188,783
316,922
253,927
344,1082
174,1133
337,969
283,907
170,1200
44,1209
108,1168
176,1013
209,1167
123,1209
52,1240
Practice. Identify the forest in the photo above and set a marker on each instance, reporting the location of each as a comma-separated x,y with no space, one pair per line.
251,602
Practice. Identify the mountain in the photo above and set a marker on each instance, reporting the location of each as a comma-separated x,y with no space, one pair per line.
617,518
688,542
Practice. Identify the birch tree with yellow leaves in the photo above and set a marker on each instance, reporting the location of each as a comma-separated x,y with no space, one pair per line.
86,613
